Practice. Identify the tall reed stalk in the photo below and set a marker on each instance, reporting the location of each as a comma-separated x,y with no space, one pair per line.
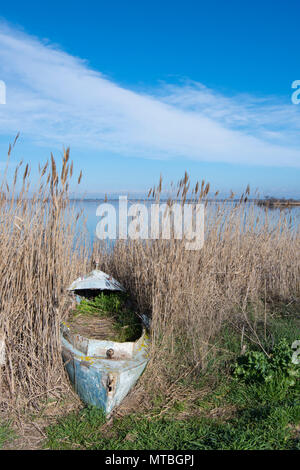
249,260
39,258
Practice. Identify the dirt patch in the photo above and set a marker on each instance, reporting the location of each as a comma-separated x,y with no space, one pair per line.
132,403
30,429
223,412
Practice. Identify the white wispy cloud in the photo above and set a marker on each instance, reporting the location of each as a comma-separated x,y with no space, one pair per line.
55,98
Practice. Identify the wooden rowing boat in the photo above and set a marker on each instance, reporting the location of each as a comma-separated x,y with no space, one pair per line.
102,371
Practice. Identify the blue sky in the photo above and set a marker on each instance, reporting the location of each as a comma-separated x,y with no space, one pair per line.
142,88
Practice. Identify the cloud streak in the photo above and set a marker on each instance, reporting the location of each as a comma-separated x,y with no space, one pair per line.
55,99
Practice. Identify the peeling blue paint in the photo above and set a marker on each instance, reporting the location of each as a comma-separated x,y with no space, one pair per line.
99,378
92,376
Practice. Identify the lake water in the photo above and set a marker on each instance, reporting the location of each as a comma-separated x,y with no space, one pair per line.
89,209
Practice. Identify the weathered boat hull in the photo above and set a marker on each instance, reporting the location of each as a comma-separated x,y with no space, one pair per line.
97,379
102,372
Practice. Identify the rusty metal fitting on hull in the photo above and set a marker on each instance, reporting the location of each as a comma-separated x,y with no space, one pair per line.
110,353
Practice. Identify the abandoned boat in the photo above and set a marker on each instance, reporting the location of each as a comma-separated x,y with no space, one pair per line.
102,371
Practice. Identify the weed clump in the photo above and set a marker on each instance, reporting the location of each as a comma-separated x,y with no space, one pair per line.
258,366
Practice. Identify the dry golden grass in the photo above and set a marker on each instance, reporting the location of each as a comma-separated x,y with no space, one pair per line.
38,260
245,263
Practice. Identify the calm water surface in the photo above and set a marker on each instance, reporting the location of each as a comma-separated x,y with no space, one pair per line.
292,215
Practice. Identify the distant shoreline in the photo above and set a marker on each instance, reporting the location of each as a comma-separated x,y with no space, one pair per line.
263,202
268,202
278,203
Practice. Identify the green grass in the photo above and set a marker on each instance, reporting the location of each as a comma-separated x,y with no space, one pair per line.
263,419
126,326
6,433
257,407
250,415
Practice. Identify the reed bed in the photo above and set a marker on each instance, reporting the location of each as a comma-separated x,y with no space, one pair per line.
249,263
246,264
40,255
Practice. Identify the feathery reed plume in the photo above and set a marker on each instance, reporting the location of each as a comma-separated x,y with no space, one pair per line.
191,296
39,258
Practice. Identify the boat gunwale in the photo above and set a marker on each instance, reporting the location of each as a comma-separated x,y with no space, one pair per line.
137,345
123,364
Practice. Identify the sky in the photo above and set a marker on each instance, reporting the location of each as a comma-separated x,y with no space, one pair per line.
140,88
